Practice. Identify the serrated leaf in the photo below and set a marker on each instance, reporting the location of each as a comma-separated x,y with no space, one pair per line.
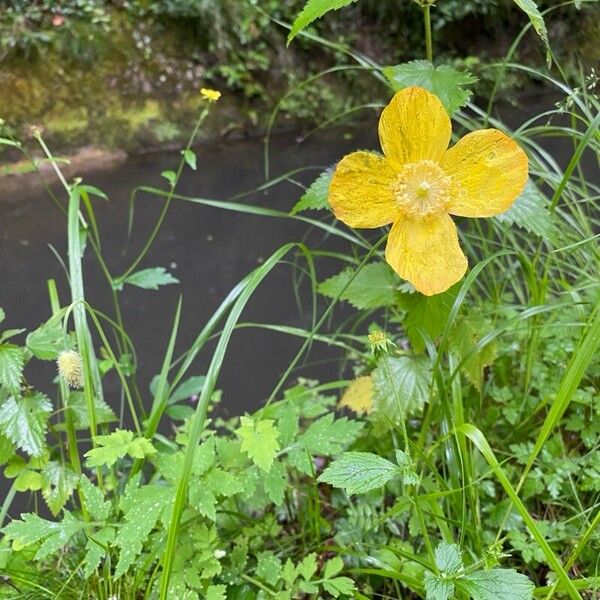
313,10
268,568
47,340
259,441
308,567
373,287
12,362
115,446
315,196
436,588
96,549
332,567
216,592
94,500
448,558
530,211
498,584
31,529
324,437
142,507
401,386
151,279
7,449
358,396
275,482
204,501
409,475
60,481
359,472
339,586
78,408
24,422
446,82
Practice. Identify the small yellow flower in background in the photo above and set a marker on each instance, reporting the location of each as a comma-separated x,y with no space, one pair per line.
70,368
359,395
210,95
419,183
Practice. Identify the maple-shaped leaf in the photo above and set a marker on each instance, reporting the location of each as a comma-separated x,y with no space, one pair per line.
259,441
24,422
116,445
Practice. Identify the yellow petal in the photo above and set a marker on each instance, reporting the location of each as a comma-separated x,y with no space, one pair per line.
489,171
414,126
359,395
361,192
426,252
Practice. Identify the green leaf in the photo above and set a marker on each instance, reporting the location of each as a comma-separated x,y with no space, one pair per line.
339,586
530,211
31,529
142,507
78,409
259,441
529,7
333,567
268,568
315,197
12,362
444,81
24,422
60,483
10,333
436,588
373,287
275,483
170,176
47,340
465,336
313,10
116,445
359,472
216,592
204,501
96,549
448,558
187,389
151,279
409,475
324,437
94,500
498,584
190,158
7,449
428,313
308,567
401,386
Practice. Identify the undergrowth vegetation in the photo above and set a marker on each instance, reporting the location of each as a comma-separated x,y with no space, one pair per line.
455,456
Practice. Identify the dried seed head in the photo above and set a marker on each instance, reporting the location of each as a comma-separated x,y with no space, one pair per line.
70,368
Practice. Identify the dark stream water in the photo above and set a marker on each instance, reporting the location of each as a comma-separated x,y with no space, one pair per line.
208,249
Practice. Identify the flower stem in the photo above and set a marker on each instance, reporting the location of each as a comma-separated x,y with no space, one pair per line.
427,22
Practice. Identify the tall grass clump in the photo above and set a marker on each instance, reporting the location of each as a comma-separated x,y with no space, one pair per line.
455,455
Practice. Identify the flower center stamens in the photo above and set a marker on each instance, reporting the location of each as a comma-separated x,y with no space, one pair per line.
422,189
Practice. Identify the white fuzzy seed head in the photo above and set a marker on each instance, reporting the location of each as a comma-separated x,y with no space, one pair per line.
70,368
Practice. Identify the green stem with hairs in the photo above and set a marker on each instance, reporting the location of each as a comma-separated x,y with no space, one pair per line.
428,37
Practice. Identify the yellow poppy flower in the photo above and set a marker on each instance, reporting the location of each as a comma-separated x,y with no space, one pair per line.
210,95
419,183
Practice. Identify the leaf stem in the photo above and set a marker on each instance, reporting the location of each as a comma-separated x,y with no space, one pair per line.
427,23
